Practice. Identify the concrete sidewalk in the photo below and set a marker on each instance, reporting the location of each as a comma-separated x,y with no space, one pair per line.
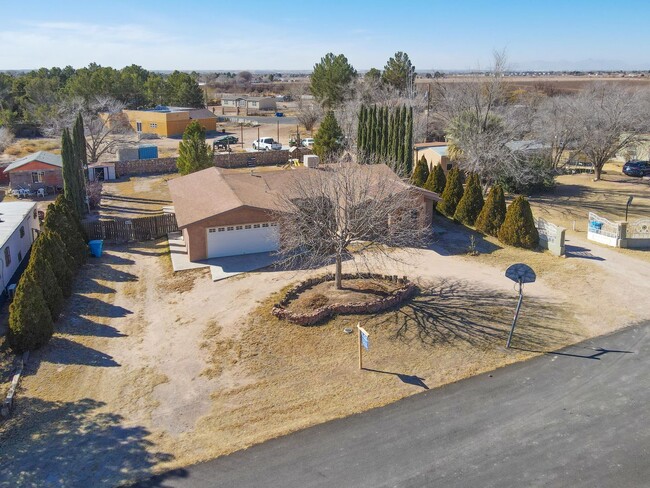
220,268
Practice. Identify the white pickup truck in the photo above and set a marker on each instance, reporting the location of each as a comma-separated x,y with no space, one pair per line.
266,143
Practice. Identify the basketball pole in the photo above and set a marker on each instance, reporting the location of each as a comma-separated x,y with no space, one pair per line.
514,322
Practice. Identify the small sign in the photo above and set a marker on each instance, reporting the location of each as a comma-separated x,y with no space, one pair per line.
365,342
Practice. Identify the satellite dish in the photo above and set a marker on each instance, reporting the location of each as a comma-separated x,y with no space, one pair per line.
521,273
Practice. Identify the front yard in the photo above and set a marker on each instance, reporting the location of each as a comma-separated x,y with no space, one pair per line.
151,370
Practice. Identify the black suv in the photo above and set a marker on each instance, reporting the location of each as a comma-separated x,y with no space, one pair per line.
636,168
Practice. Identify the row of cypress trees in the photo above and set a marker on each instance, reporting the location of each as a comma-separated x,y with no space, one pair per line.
514,226
56,255
387,135
75,160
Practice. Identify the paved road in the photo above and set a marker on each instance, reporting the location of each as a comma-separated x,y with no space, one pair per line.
261,120
579,418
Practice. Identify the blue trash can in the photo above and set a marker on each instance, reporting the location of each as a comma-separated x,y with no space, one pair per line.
96,248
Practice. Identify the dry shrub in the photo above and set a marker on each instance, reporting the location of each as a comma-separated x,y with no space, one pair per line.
316,301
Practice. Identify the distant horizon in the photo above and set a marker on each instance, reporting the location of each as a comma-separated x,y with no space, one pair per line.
580,35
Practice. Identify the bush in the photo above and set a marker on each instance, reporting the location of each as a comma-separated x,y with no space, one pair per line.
452,194
421,173
437,180
42,273
541,179
54,252
94,189
518,228
30,322
327,141
491,218
471,204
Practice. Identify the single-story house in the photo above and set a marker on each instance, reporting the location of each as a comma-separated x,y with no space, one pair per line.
228,214
169,121
248,104
101,171
19,226
38,170
436,153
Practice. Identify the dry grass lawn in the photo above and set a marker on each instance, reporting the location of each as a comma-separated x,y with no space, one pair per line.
135,196
23,147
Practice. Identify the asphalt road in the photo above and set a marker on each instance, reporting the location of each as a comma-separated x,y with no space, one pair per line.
578,418
261,120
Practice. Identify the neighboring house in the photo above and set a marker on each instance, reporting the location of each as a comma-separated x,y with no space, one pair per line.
37,170
19,226
639,150
229,214
169,121
246,105
435,153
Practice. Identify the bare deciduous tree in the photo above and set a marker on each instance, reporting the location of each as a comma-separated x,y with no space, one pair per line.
106,128
6,138
323,212
308,114
609,119
556,125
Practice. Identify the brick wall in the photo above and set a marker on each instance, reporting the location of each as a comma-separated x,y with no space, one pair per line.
229,160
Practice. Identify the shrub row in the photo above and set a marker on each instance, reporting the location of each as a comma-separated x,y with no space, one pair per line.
56,255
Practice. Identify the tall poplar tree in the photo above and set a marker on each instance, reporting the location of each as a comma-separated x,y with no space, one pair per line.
81,159
70,172
408,143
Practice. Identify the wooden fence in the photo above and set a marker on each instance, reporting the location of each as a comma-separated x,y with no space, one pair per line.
128,230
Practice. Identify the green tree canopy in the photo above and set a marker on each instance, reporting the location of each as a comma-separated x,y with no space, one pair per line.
518,228
471,204
193,153
328,139
399,72
373,75
183,90
491,218
41,271
331,80
437,180
421,173
30,322
452,194
71,178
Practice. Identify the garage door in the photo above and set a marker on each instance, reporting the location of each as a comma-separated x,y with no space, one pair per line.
242,239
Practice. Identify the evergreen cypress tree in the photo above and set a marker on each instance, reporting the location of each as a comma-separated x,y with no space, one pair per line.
42,273
71,215
386,140
374,130
81,159
421,173
396,124
408,143
57,256
491,218
327,141
70,172
58,221
391,126
401,154
193,153
452,194
384,133
30,322
437,180
471,204
518,228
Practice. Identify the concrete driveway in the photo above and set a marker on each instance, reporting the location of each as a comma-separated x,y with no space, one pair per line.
575,418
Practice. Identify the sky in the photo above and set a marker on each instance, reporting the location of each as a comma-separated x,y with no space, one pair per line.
225,35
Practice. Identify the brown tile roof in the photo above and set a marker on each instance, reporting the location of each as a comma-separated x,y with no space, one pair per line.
210,192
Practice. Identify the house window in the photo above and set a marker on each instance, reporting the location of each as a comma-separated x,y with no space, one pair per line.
256,226
34,214
247,227
7,256
265,225
20,256
138,126
274,224
22,233
37,176
239,227
212,230
230,228
221,229
153,125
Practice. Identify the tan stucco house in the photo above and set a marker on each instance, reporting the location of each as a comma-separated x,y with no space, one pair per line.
436,153
228,214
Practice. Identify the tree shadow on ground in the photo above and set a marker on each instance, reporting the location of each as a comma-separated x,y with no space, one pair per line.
74,444
452,239
61,350
123,198
445,311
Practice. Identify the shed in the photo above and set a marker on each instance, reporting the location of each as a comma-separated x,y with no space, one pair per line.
148,151
101,171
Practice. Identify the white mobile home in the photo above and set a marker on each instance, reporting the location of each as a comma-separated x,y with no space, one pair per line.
19,227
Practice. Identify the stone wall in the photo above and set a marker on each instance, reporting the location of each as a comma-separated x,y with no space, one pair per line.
399,296
227,160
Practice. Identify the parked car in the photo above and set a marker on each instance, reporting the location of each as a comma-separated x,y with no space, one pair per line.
308,142
636,168
575,167
266,143
223,142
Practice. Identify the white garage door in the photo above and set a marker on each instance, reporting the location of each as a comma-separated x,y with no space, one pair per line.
234,240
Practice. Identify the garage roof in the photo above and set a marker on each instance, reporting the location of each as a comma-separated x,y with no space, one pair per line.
204,194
